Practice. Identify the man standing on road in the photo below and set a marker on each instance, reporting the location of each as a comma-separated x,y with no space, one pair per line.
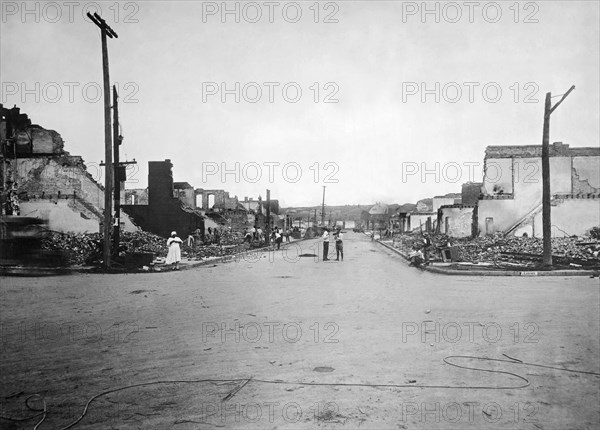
325,244
339,245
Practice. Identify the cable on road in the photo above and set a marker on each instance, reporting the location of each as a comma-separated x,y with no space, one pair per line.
245,381
41,412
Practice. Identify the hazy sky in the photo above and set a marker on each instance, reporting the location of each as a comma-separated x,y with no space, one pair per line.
375,61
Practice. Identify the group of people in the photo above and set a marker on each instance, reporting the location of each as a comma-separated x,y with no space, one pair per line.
254,234
212,235
338,236
257,234
278,235
420,251
174,242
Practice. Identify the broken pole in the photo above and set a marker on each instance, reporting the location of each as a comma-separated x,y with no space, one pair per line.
106,31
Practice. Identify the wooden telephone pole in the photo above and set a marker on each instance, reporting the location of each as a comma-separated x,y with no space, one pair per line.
546,196
105,31
268,223
116,173
323,208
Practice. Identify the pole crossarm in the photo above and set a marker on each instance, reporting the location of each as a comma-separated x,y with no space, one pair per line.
561,100
97,19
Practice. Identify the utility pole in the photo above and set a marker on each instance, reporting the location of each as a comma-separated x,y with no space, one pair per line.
117,173
119,170
323,208
268,227
105,31
546,196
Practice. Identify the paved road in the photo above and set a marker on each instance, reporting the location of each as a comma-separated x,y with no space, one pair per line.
281,318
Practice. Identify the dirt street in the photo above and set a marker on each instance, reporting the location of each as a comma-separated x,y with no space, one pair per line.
370,333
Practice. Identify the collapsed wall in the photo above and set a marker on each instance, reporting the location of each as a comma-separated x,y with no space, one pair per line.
43,180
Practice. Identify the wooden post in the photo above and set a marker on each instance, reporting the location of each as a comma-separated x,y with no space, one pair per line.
323,208
107,154
116,170
268,225
546,221
546,192
106,31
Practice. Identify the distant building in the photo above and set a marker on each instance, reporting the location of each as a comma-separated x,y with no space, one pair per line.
379,215
260,205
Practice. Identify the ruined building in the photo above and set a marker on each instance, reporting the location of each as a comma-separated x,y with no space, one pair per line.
164,211
151,207
509,200
40,179
512,190
458,219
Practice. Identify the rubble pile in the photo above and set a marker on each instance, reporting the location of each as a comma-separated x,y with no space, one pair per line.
86,248
81,248
213,250
141,241
511,249
229,237
492,248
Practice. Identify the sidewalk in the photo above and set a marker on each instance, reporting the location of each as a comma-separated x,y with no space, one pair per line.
468,269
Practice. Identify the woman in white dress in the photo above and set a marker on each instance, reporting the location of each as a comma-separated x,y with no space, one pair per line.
174,255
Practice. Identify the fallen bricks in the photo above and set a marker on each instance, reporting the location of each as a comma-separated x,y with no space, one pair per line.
471,269
525,251
86,248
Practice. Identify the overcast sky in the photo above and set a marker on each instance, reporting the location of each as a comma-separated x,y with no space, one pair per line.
373,57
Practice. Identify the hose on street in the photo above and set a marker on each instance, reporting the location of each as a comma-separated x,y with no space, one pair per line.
450,360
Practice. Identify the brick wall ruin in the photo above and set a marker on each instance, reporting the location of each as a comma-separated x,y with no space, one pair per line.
164,212
50,183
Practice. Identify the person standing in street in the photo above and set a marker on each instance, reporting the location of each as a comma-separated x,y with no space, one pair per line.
198,236
190,241
325,244
278,237
174,254
339,245
426,247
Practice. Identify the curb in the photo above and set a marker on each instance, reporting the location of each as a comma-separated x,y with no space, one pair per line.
475,272
189,266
